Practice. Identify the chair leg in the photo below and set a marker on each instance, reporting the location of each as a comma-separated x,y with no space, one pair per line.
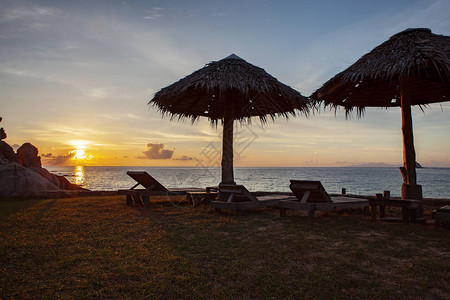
146,201
311,214
373,212
382,211
282,212
136,199
129,200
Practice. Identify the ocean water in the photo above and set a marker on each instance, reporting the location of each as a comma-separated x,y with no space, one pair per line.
363,181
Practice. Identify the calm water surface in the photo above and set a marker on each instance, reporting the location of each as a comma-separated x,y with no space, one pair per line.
364,181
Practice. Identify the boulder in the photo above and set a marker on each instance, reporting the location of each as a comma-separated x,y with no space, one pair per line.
18,181
67,185
28,156
57,180
47,175
2,134
7,153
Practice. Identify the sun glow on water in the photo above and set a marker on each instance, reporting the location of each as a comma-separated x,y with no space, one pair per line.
79,175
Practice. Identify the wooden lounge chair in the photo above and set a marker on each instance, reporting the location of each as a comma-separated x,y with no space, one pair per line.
442,215
237,197
151,188
311,197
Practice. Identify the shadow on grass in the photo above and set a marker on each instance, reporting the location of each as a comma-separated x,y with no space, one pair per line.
9,206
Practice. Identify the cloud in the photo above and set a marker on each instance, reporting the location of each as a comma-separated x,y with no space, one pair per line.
156,151
312,161
25,12
184,157
153,14
59,160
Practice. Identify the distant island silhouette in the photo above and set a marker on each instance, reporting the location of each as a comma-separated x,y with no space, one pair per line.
381,165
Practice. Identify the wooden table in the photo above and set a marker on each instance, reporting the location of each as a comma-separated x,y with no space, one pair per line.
409,208
210,194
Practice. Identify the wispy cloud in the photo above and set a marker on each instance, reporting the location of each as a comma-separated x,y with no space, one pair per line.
57,160
154,14
25,12
184,157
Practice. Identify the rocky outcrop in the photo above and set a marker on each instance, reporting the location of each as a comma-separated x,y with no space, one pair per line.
18,181
7,153
2,134
22,175
57,180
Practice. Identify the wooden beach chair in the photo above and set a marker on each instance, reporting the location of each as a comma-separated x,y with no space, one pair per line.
151,188
311,197
442,215
237,197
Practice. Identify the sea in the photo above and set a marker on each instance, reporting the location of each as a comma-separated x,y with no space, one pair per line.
356,180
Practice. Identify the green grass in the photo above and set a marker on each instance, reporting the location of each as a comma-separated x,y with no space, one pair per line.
101,248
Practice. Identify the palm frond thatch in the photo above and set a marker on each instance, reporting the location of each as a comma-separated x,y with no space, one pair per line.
414,62
231,83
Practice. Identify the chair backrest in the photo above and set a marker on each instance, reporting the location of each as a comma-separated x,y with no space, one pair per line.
239,192
147,181
312,190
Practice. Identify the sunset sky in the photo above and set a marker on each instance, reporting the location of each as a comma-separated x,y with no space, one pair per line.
76,77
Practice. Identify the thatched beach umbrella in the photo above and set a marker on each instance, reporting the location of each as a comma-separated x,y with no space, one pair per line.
227,90
411,68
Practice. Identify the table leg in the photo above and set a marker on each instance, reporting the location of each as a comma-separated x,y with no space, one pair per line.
373,212
405,214
382,211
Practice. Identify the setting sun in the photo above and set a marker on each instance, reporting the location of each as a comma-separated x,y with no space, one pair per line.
79,154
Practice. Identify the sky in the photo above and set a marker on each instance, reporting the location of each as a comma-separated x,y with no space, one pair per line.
76,77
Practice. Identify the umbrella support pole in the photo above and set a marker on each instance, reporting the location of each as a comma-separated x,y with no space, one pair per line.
227,150
409,154
410,189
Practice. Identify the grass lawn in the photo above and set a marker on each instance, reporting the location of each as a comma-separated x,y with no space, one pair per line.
100,248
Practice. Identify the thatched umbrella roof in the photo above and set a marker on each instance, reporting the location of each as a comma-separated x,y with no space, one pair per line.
411,68
227,90
230,82
414,60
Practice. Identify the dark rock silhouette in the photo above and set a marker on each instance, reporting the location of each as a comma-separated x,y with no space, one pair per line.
2,131
2,134
7,153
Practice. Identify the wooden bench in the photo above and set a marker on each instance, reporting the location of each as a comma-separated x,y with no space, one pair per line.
237,197
409,208
209,195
